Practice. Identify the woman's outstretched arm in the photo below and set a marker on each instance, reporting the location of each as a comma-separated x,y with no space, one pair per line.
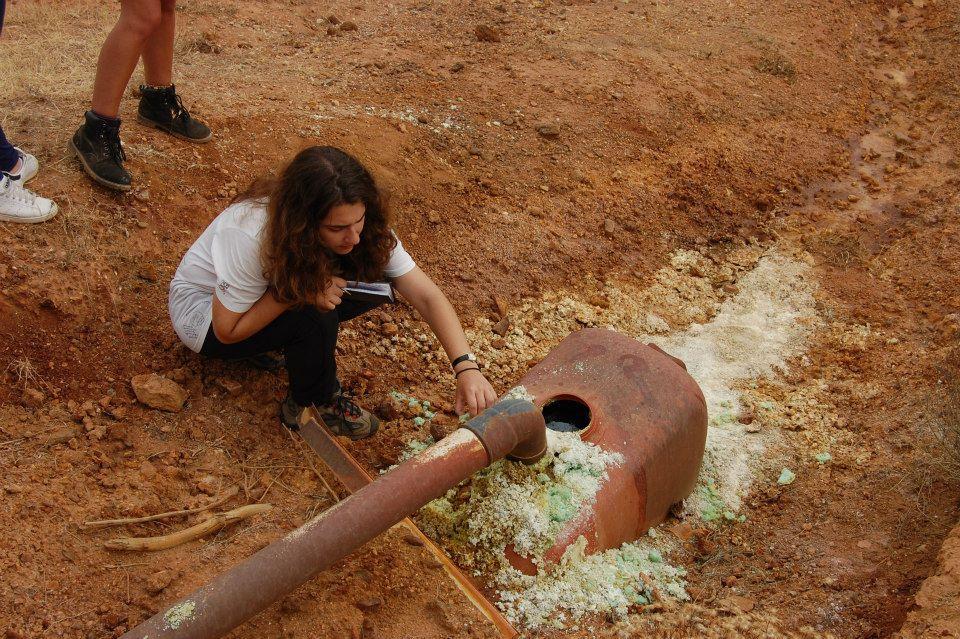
474,392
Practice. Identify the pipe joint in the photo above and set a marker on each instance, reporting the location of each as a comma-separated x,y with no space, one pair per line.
512,428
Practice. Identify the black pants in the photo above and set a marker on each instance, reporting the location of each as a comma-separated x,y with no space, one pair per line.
8,156
308,339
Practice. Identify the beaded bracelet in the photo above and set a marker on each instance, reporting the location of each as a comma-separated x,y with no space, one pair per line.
464,370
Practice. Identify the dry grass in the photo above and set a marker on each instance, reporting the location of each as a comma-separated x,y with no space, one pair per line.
23,374
945,424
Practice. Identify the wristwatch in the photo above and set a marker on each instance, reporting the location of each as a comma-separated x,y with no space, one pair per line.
466,357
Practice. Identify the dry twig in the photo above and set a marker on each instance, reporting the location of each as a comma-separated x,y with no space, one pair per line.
109,523
214,523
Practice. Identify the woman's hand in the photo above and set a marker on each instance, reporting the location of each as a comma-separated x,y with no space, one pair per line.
474,392
332,295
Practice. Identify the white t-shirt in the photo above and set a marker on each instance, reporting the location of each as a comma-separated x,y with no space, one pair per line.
226,256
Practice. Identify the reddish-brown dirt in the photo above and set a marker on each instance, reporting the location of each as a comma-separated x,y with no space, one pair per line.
595,138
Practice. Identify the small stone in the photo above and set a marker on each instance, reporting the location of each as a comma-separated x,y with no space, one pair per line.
207,485
112,619
368,630
412,539
807,527
730,580
148,272
158,392
143,196
390,409
332,19
390,329
32,398
370,604
746,416
333,30
475,150
159,581
743,604
437,431
486,33
434,218
348,25
609,226
752,428
498,343
367,374
548,130
230,386
60,436
500,305
502,327
457,67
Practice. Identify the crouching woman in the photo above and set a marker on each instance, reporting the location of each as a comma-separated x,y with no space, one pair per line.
269,272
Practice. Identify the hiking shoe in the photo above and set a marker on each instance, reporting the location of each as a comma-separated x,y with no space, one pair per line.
17,204
161,108
340,415
28,166
290,412
97,145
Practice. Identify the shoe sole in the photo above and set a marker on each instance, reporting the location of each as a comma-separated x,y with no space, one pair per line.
93,176
156,125
32,220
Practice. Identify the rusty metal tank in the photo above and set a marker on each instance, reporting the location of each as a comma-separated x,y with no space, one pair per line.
632,399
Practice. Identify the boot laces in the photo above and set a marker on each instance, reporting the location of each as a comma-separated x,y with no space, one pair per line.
345,407
110,145
175,102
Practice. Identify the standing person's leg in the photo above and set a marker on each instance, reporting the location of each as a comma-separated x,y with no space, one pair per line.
9,158
17,204
160,107
97,142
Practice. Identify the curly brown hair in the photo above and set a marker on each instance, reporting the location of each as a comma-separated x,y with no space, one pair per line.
296,261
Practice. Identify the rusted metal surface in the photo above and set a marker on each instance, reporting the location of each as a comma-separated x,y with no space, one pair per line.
643,405
353,477
252,585
510,429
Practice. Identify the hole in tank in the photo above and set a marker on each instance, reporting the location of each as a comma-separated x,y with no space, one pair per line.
566,415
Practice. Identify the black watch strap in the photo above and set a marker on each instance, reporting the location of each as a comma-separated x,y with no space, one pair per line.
466,357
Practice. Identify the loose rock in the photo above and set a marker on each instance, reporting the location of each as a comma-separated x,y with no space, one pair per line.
486,33
548,130
158,392
370,604
159,581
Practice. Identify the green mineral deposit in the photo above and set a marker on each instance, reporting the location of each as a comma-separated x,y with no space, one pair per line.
786,477
823,458
179,613
419,421
766,405
560,503
655,556
715,504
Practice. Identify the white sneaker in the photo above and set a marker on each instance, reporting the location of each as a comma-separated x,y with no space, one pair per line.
17,204
28,166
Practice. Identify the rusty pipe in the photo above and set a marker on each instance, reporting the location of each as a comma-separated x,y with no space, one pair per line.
512,427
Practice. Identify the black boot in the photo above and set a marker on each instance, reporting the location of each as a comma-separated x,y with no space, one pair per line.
97,145
162,108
